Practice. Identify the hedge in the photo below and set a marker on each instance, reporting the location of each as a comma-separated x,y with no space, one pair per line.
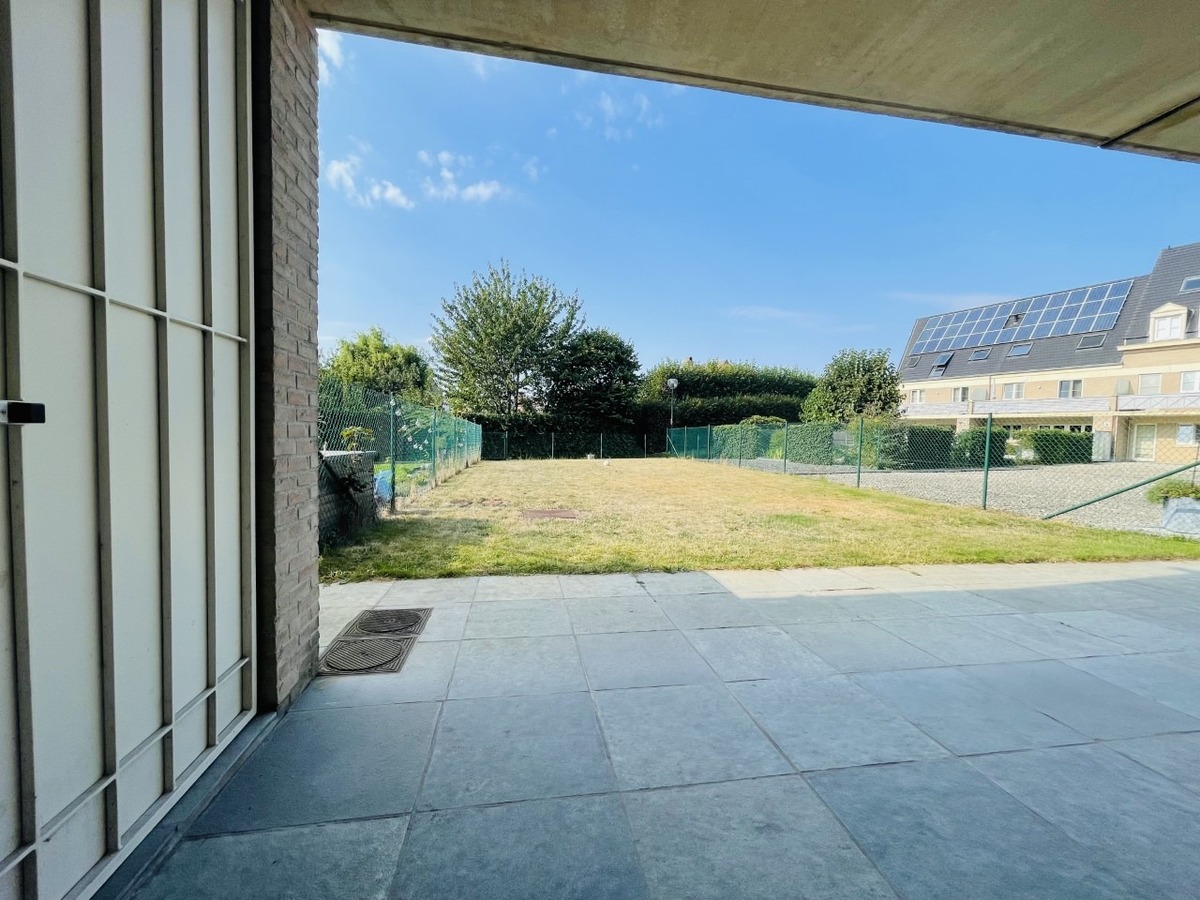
1055,448
969,447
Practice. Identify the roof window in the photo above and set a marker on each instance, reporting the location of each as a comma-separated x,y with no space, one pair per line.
1020,349
1091,341
983,353
1191,283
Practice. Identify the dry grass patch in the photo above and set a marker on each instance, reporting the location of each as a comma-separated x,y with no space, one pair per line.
674,515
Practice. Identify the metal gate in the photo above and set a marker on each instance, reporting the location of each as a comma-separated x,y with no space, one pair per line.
126,588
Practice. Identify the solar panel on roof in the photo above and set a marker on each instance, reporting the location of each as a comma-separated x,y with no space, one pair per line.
1079,311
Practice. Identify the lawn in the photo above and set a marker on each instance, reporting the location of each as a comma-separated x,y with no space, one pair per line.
673,515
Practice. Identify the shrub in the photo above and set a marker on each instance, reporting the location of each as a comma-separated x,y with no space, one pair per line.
356,437
888,444
812,443
1172,488
763,420
737,442
1055,448
968,449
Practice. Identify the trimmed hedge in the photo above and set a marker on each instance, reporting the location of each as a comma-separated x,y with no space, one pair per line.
1051,447
563,445
969,446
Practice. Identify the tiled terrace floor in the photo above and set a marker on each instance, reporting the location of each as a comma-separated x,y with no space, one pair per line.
957,732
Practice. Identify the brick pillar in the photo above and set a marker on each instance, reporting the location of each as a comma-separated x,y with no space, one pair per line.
286,169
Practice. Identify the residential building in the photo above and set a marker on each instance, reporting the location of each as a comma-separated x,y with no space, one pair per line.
1120,359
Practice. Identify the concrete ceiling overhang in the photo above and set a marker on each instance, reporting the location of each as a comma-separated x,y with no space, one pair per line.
1123,74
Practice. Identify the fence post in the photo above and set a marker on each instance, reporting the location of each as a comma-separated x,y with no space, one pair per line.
987,457
685,444
433,449
645,447
552,445
785,437
506,443
858,473
392,452
708,445
739,443
668,444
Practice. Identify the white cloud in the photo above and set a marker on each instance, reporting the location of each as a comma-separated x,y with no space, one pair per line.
445,187
330,56
551,133
620,116
344,176
532,169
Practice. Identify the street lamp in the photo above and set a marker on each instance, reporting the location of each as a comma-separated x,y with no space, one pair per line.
672,383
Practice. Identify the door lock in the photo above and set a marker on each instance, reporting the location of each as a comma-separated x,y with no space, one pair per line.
22,412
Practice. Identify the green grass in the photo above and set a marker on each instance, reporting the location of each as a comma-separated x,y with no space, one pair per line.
675,515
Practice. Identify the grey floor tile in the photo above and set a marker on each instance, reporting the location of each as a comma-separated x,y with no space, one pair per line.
942,830
355,594
1052,639
891,578
446,623
659,737
1176,756
760,839
860,646
599,586
753,581
1165,677
1045,598
955,603
957,642
1136,634
313,862
1090,705
1144,823
790,609
606,615
574,849
964,715
331,622
518,587
328,764
427,591
824,579
761,651
880,605
664,583
710,611
828,723
641,659
1185,619
425,676
517,666
517,618
515,748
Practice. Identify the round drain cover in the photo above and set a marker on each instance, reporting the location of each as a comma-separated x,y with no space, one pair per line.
358,656
389,621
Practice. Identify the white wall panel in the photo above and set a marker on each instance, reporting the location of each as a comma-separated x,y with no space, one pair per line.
50,75
10,885
191,736
223,172
128,150
229,701
137,533
61,535
72,850
227,494
189,548
181,157
10,809
139,785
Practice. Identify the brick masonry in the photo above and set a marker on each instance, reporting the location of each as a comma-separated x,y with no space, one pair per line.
284,60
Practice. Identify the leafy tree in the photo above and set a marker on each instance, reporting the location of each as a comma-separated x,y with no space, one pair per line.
498,339
854,383
370,359
721,378
593,382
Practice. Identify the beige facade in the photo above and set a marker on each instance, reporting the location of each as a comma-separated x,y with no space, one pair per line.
1149,403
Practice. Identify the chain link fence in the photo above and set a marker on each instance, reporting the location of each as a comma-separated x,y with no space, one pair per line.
378,451
1042,472
499,445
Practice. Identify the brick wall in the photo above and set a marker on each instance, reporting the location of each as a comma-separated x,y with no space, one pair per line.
284,59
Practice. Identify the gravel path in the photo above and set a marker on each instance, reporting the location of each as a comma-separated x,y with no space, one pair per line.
1033,491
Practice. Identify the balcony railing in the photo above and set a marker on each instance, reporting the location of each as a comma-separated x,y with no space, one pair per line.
1061,406
1158,401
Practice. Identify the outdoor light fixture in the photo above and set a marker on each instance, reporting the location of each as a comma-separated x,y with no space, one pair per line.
672,383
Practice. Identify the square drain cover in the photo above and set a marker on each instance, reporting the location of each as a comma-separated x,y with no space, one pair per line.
365,656
379,622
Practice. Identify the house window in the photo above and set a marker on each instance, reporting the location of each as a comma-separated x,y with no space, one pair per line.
1192,283
1091,341
1149,384
1020,349
1014,391
1069,390
918,396
1185,435
1189,382
962,394
1168,328
977,355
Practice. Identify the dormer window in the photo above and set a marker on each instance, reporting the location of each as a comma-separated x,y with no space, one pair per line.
1168,323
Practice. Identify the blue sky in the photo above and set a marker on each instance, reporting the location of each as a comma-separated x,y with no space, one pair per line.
699,223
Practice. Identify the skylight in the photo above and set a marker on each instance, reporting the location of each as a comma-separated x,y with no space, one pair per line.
1091,341
1191,283
943,360
914,361
1020,349
981,354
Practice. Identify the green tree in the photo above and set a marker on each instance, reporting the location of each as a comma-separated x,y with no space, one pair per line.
498,339
593,382
855,383
370,359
